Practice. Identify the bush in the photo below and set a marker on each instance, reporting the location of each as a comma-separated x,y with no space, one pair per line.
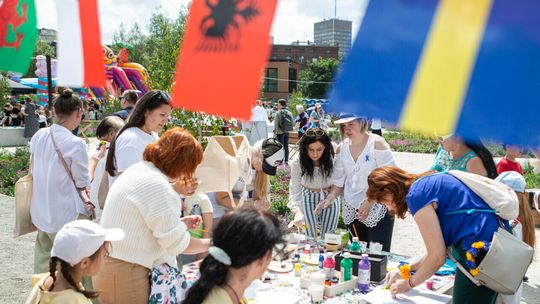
12,167
532,179
411,142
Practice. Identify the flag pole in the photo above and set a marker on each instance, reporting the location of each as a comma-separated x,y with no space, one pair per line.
49,80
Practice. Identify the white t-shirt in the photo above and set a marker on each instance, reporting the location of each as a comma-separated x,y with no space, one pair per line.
258,113
55,200
130,148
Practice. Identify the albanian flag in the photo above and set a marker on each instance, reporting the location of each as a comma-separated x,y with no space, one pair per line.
223,56
18,34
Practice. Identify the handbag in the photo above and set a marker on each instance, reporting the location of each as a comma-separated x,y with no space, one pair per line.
496,272
83,194
167,285
23,202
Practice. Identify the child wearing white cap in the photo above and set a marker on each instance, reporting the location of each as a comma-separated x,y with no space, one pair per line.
79,249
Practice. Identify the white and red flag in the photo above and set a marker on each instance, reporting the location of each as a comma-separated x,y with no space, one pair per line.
80,59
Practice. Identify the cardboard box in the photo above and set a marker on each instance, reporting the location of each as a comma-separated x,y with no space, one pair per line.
335,289
378,264
339,237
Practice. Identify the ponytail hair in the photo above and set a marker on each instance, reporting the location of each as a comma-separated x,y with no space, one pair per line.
487,158
527,219
245,235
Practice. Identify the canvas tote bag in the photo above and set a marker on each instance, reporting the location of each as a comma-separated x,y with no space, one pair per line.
225,160
497,195
23,201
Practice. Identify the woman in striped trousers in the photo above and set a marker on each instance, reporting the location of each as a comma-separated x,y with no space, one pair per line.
310,182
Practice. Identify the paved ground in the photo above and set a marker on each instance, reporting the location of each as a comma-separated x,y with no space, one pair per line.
16,255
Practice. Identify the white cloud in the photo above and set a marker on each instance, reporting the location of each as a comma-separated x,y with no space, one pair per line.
293,20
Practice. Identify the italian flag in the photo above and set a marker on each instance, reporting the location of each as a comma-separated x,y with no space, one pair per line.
80,59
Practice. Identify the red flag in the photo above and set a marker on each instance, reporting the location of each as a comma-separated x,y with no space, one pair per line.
223,56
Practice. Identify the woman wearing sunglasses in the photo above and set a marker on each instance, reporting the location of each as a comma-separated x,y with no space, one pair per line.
143,125
358,155
310,183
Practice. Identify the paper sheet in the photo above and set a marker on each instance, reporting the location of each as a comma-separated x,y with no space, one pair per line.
419,296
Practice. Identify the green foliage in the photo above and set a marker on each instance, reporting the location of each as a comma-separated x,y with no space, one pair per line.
5,89
12,167
279,185
294,100
322,70
411,142
532,179
198,124
157,51
42,48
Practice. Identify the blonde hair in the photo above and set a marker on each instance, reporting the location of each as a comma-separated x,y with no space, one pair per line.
262,182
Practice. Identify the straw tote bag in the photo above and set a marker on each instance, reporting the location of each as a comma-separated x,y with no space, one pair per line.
23,201
225,160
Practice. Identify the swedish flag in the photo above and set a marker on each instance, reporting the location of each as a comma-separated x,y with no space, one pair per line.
441,66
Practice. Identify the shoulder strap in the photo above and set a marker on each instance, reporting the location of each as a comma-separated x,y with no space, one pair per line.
461,268
89,206
61,157
471,211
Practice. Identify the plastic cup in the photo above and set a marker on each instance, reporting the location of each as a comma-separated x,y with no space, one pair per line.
317,278
316,292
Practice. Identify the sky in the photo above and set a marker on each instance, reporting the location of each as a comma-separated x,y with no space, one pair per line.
293,20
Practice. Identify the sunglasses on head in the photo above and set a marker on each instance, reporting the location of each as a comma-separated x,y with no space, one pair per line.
161,95
315,132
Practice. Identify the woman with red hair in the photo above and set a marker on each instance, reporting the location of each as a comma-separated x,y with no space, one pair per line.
447,213
145,204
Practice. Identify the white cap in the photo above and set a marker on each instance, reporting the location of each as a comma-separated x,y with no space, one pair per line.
80,239
513,180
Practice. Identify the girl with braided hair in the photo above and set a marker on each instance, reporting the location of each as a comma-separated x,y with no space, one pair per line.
242,249
79,249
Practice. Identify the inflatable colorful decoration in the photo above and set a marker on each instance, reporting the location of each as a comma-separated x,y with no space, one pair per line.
41,73
121,74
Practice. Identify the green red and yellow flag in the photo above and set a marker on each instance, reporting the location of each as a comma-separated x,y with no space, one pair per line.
18,34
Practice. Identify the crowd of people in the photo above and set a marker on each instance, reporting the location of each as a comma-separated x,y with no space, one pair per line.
143,193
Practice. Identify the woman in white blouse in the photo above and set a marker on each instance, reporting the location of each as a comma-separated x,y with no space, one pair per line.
358,155
311,181
144,123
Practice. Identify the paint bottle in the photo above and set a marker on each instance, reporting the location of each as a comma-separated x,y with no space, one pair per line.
328,266
346,267
297,269
355,246
307,249
364,273
321,260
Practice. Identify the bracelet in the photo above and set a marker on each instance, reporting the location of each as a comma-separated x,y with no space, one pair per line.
410,283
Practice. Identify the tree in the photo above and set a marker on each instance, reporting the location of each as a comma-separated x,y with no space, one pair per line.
158,50
314,81
5,89
41,48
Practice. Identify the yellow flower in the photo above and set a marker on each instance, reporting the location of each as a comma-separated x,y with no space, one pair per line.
470,257
478,245
474,272
405,270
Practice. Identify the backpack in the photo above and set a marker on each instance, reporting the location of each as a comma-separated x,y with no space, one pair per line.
287,121
497,195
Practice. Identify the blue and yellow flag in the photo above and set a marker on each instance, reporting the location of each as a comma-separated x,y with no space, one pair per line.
445,66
